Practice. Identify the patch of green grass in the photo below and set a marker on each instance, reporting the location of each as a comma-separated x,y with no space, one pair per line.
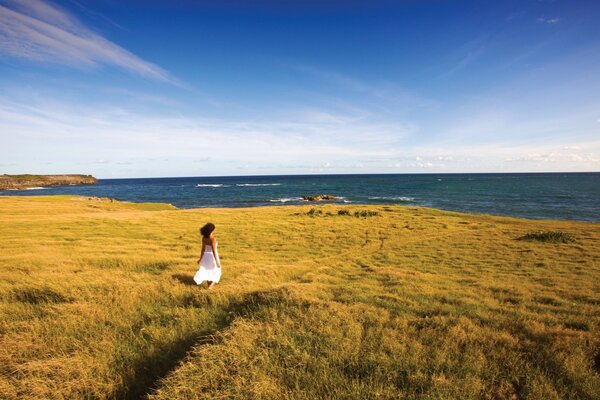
579,326
153,267
23,177
365,213
108,263
549,237
153,206
313,212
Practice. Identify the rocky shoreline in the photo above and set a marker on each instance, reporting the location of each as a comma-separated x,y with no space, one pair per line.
319,197
23,182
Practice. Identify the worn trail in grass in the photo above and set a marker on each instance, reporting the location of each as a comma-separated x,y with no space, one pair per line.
97,301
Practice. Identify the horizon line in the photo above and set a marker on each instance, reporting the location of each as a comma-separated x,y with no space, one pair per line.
348,174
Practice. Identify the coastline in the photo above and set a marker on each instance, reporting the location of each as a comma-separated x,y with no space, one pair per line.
324,206
535,196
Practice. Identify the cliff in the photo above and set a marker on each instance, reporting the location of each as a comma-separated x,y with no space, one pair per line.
31,181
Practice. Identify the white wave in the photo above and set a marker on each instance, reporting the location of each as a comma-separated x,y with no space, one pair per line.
398,198
285,199
214,185
31,188
257,184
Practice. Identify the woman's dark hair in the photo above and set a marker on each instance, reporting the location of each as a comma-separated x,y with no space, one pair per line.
207,229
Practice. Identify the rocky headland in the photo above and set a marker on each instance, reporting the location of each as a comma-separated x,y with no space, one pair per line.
319,197
21,182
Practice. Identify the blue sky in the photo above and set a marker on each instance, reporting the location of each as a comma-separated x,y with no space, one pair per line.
156,88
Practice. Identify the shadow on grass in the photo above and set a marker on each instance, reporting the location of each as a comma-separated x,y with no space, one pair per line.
185,279
149,369
38,295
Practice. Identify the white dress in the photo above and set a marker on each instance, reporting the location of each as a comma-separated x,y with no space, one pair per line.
208,271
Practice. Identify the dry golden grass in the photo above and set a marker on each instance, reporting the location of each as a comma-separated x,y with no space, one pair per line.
97,301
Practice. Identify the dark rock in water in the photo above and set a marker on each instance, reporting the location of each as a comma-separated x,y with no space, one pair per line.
319,197
35,181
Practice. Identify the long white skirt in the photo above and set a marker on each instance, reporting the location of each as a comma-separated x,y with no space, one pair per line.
208,270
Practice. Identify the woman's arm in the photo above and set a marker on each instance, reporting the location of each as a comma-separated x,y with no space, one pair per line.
213,244
201,252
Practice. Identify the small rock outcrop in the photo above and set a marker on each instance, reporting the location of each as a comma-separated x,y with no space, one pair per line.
19,182
319,197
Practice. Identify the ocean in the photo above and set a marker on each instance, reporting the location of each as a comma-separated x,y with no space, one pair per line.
574,196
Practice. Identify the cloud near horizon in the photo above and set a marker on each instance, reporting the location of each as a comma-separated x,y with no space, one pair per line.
39,31
112,142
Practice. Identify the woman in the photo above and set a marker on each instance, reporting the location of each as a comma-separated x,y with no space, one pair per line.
210,264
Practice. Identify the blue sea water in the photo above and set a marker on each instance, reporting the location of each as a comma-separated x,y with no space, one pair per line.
573,196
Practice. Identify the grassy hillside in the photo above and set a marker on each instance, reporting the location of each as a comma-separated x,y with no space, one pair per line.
97,301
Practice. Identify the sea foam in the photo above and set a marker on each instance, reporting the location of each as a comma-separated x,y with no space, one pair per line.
397,198
214,185
257,184
285,199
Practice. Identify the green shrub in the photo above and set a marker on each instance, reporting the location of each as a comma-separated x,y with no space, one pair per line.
365,213
548,237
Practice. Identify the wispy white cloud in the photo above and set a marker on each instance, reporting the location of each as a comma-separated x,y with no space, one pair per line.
556,157
536,157
41,31
141,97
465,55
122,133
420,165
389,94
548,21
465,60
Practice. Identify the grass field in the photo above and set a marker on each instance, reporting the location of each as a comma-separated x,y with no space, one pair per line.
97,301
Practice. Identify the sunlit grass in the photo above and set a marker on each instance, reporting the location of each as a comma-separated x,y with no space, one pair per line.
97,301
